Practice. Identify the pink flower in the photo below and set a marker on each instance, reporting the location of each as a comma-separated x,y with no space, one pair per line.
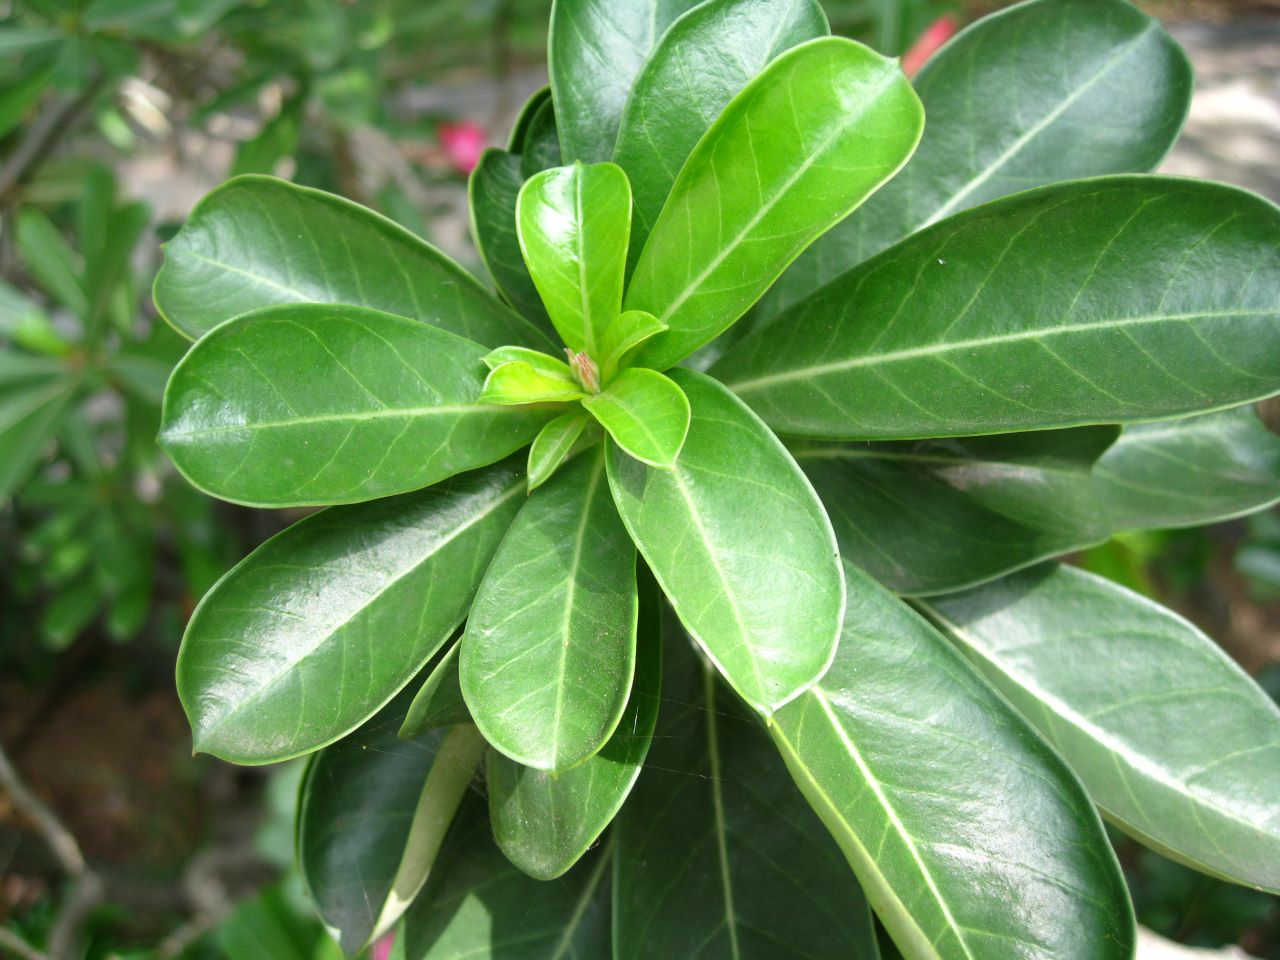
382,949
934,36
463,143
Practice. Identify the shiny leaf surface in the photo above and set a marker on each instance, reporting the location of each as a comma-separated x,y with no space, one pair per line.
740,545
438,702
326,621
646,414
315,404
939,793
999,123
594,53
800,146
544,822
553,444
1184,473
573,224
549,651
491,191
257,242
1109,300
627,332
703,60
519,382
717,855
1175,743
932,516
486,909
372,815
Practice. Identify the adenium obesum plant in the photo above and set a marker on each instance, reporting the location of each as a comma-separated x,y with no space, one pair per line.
751,643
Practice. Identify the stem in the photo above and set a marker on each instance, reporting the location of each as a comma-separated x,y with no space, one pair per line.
54,122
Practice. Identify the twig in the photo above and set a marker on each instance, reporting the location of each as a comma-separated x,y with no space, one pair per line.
86,890
57,118
18,947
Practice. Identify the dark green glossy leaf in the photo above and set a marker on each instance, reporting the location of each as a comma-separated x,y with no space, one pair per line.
1172,739
740,545
541,149
550,646
553,444
937,515
939,794
438,702
483,908
1000,122
257,242
1108,300
594,53
492,191
1184,473
776,169
518,140
646,414
372,815
321,625
317,404
574,223
703,60
544,822
717,855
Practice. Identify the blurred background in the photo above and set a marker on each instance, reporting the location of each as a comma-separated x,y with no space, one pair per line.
116,116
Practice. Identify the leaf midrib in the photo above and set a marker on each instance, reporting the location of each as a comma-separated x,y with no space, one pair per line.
390,413
911,353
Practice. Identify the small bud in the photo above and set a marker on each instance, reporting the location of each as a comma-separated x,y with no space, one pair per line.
585,370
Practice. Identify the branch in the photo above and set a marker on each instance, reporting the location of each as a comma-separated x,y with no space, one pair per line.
54,121
18,947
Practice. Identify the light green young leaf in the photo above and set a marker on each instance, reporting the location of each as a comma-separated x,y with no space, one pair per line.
1178,746
544,363
740,545
938,793
438,702
517,382
801,146
553,444
372,814
550,646
257,241
574,223
544,822
594,53
933,516
1096,301
717,855
1113,103
703,60
319,404
1184,473
311,665
646,414
628,331
483,908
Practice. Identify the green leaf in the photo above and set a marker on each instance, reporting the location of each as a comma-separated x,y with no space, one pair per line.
544,363
1172,739
268,925
999,123
438,702
32,409
739,543
544,822
21,93
518,382
717,855
372,815
1098,301
520,130
573,224
257,242
51,260
541,149
1184,473
491,191
553,444
939,794
624,334
703,60
317,404
775,170
594,53
939,515
550,646
314,658
483,908
646,414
